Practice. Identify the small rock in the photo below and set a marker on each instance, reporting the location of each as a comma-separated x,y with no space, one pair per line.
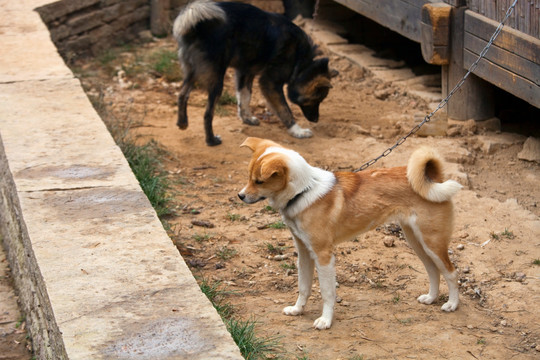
519,276
382,94
202,223
388,241
460,247
504,323
531,150
466,270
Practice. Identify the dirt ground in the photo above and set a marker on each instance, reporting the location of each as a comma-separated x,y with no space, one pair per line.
496,243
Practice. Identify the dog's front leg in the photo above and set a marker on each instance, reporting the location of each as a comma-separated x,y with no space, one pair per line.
244,82
276,100
305,279
327,283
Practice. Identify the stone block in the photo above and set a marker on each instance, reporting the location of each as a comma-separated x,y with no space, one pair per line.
84,22
531,150
58,9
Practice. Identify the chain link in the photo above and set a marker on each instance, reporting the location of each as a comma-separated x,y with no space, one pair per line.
443,103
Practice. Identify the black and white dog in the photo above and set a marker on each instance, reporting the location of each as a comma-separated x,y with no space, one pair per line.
214,36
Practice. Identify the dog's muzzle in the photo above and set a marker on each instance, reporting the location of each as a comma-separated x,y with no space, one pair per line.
311,112
249,200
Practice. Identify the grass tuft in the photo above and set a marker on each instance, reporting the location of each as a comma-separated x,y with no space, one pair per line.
164,63
251,346
243,332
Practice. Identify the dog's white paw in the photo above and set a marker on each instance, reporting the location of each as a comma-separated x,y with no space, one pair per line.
293,310
426,299
322,323
299,132
251,120
449,306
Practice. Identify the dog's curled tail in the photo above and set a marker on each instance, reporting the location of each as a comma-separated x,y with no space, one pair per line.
195,12
425,174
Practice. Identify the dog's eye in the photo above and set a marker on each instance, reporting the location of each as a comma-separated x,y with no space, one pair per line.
259,182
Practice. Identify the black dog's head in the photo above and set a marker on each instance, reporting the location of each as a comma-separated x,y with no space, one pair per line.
310,86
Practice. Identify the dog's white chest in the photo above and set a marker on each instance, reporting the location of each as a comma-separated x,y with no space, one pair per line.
300,234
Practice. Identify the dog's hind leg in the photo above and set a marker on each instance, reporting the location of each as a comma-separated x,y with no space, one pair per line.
214,93
183,97
273,92
244,84
305,279
431,268
436,261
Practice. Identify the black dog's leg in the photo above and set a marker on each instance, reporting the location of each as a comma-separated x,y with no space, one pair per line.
244,84
183,97
214,92
273,92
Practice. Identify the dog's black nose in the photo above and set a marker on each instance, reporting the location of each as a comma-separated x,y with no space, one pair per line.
241,196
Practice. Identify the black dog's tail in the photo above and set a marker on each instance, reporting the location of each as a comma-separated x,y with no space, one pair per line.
194,13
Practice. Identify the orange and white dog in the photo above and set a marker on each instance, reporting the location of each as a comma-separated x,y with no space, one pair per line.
323,208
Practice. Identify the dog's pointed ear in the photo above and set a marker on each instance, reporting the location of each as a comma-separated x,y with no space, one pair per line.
257,144
251,143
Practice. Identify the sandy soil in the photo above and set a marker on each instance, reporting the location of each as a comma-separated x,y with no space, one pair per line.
495,245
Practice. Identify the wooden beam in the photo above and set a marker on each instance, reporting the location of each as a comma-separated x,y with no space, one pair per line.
513,61
435,30
504,58
504,79
400,16
510,39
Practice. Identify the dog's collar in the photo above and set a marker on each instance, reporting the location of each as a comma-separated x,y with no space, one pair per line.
296,197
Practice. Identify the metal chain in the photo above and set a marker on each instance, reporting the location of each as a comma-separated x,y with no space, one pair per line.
450,94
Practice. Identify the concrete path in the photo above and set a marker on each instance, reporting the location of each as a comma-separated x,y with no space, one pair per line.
97,274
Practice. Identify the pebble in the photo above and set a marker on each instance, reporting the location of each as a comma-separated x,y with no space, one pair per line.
460,247
388,241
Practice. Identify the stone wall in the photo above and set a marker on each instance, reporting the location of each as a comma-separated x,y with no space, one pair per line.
88,27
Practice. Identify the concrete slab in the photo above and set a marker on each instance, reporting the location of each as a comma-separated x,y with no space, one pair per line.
117,285
30,56
96,273
55,140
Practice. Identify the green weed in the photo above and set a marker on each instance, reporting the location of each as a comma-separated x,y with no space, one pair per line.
243,332
164,63
277,225
226,253
251,346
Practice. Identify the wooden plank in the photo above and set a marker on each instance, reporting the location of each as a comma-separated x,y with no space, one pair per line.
509,39
510,82
503,58
397,15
